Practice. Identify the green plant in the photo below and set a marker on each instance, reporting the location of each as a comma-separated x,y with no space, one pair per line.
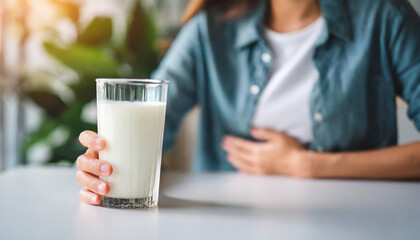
92,55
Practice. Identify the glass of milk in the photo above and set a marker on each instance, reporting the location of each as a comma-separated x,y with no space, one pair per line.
131,117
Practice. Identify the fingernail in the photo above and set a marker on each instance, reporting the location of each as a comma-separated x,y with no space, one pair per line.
99,142
94,199
105,168
102,188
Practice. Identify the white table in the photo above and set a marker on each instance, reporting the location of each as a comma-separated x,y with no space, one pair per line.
43,203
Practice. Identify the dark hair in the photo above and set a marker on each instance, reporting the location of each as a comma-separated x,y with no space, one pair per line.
229,8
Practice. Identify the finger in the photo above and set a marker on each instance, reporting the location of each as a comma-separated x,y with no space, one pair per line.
92,153
94,166
264,134
238,151
89,197
92,183
242,165
91,140
245,145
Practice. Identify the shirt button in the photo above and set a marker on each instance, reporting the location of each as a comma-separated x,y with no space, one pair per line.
265,57
318,117
254,89
319,149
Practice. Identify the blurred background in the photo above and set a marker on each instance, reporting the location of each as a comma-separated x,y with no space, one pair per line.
51,51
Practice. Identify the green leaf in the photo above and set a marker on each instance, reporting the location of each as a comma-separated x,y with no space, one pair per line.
68,152
89,61
52,104
140,40
47,126
85,90
70,119
97,32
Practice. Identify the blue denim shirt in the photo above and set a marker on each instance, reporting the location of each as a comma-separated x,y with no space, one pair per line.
368,53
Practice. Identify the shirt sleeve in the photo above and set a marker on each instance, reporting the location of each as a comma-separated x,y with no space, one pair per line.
404,46
179,67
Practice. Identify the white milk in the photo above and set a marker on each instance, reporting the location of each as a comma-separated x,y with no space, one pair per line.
133,132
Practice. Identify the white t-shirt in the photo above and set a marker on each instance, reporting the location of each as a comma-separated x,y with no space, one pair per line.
284,102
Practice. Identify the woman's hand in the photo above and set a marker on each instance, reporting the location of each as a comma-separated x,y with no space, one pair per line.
276,154
90,167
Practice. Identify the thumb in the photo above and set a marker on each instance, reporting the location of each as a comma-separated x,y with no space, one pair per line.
263,134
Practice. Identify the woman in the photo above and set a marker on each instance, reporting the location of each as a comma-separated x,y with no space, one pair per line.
303,88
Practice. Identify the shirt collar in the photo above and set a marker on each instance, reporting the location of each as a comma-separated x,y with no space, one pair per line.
337,18
249,27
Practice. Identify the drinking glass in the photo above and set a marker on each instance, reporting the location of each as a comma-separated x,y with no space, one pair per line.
131,117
